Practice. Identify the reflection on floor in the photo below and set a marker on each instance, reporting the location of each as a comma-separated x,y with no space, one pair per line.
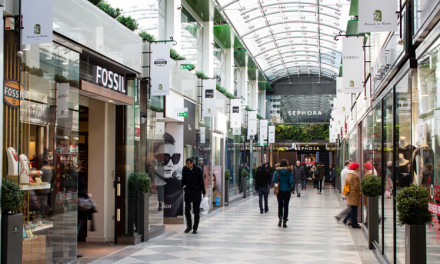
94,251
240,234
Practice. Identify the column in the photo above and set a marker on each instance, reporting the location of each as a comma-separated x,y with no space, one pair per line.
229,80
208,48
173,22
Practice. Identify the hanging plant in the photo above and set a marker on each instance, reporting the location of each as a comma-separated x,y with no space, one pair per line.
128,22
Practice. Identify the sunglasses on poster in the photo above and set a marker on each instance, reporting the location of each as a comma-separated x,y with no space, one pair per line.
167,157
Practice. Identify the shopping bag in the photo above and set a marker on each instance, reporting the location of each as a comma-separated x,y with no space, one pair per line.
346,189
204,206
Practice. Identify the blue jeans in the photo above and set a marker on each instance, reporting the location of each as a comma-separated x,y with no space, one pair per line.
353,214
263,191
303,184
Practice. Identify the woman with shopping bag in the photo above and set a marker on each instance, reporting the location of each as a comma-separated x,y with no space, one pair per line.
194,187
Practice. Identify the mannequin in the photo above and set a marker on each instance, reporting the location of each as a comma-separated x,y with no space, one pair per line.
12,161
24,169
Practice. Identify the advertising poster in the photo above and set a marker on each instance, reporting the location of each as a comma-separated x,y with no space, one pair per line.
262,138
37,28
63,100
173,163
160,68
217,186
235,113
353,64
252,123
189,122
377,16
209,104
202,135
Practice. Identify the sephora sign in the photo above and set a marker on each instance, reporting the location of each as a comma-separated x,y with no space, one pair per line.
109,79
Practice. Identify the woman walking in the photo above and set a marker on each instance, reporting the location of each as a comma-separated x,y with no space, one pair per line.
354,194
284,176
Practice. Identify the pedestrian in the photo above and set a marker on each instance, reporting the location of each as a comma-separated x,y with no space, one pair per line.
314,171
332,175
320,176
194,187
284,176
299,177
306,174
344,174
354,194
262,186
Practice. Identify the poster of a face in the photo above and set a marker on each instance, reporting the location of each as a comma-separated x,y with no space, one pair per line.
172,170
216,185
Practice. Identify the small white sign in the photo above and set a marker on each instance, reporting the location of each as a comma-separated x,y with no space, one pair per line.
235,113
236,131
209,104
353,64
160,128
160,68
271,134
262,137
202,135
63,100
252,123
37,21
377,16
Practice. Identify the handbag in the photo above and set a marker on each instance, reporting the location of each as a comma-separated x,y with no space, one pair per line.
346,189
276,186
86,205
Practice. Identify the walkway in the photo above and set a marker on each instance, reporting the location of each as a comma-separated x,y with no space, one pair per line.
240,234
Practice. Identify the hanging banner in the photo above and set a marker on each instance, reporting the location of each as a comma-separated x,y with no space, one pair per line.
377,16
202,135
353,64
160,68
252,123
235,113
271,134
262,137
209,103
236,131
63,100
37,21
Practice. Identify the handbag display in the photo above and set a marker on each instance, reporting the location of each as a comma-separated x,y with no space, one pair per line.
346,189
276,186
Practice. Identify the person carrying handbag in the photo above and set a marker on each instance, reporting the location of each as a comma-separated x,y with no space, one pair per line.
354,194
284,177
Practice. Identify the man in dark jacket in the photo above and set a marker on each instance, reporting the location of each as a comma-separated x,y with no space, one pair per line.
263,179
299,176
194,187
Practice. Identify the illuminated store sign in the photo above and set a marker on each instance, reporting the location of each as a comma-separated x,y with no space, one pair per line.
109,79
304,113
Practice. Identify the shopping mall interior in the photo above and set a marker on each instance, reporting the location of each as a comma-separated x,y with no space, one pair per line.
220,131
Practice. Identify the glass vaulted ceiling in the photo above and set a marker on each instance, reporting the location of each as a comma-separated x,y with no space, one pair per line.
288,37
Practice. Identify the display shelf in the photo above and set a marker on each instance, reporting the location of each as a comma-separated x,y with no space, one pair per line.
34,187
42,227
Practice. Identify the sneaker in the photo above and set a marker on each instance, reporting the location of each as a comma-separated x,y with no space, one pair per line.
261,211
337,218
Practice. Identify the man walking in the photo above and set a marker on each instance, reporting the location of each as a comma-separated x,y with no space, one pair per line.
263,180
194,187
344,174
299,176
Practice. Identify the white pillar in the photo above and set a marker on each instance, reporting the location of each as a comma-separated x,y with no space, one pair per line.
208,48
173,21
243,85
102,121
229,80
262,103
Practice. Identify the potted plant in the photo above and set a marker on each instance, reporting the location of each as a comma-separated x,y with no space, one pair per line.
139,185
412,208
12,222
244,175
371,187
227,177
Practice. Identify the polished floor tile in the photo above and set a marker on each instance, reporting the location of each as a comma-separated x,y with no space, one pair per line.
240,234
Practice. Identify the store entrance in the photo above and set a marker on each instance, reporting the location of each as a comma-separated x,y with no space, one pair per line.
96,170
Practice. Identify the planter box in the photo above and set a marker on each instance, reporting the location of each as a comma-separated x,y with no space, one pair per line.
12,238
144,205
373,221
244,182
415,244
226,192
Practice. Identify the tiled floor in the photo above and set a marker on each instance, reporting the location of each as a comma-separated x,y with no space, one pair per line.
240,234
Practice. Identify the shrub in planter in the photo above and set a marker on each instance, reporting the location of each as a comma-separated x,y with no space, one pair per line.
412,206
227,174
371,186
139,182
146,36
244,174
128,22
12,197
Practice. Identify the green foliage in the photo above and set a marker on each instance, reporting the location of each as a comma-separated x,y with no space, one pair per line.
260,116
95,2
303,133
175,55
146,37
128,22
139,182
371,186
225,92
61,79
227,174
193,67
244,174
113,12
338,170
34,71
12,197
155,108
201,75
412,206
248,108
